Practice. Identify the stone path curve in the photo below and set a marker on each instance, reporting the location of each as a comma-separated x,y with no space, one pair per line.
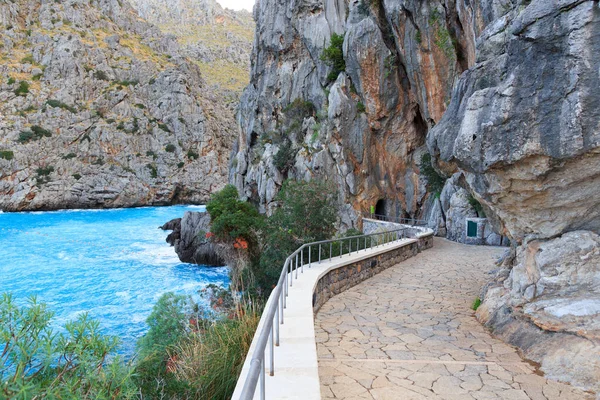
409,333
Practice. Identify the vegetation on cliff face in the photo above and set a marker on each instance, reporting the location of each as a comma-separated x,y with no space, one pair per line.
96,81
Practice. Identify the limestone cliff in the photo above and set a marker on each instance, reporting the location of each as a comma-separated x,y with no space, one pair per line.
523,128
99,109
504,95
365,127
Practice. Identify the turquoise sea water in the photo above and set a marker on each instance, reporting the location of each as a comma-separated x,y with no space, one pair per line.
113,264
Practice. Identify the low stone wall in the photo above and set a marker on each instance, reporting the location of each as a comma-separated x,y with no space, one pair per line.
423,234
343,278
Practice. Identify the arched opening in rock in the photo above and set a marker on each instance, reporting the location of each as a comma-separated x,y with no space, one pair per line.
380,207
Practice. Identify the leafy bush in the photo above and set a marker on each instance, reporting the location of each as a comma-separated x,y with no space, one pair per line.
307,213
11,81
333,55
360,107
60,104
35,133
164,128
37,362
180,164
476,304
192,155
477,206
232,218
22,89
170,148
435,182
7,154
101,75
77,176
69,156
126,83
28,60
153,170
285,157
168,325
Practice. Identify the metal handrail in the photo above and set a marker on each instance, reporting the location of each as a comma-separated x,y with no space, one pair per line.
274,315
409,221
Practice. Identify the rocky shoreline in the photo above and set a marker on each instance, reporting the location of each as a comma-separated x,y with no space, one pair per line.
188,236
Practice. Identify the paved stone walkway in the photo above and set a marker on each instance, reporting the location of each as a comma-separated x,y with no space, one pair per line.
410,333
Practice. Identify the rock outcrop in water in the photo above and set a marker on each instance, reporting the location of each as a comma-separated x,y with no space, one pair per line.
188,238
506,93
100,109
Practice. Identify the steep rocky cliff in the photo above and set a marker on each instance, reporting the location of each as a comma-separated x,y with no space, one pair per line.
364,128
523,128
218,40
100,109
505,93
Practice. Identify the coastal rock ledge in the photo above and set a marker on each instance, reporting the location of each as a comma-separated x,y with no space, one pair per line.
188,238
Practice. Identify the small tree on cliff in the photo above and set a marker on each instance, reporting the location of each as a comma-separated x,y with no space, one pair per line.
333,55
307,212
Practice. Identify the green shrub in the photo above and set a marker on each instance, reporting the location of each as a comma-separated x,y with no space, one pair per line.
170,148
22,89
192,155
476,304
360,107
180,164
285,157
168,324
77,176
153,170
60,104
28,60
69,156
164,127
37,362
140,106
101,75
333,55
212,361
35,133
126,83
307,213
435,182
11,81
7,154
232,218
477,206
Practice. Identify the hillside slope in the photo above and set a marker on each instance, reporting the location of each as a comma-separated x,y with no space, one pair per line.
100,109
218,40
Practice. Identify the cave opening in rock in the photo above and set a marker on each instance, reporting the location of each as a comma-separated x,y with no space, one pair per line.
380,207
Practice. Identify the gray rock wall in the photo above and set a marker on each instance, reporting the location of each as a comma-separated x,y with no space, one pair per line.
112,114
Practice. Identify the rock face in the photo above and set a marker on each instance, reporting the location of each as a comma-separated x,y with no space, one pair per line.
547,302
523,127
524,122
100,109
363,129
218,40
504,94
188,238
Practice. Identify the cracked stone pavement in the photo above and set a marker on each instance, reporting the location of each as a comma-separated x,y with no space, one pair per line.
410,333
